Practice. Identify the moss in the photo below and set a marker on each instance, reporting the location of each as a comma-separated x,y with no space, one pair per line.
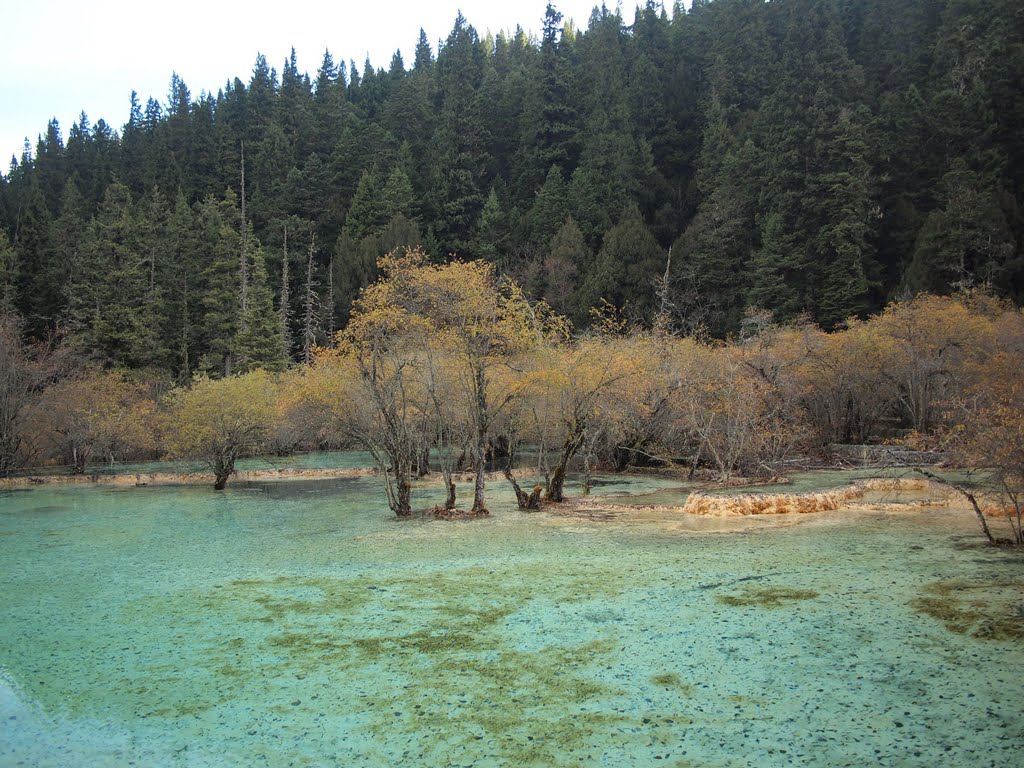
986,611
767,597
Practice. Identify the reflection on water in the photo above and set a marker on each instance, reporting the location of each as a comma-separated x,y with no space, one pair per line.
298,623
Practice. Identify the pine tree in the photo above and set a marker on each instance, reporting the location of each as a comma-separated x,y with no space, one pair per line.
366,214
8,275
568,257
40,277
493,231
549,209
625,270
816,186
966,242
259,342
284,311
397,197
219,227
311,308
550,121
182,300
111,310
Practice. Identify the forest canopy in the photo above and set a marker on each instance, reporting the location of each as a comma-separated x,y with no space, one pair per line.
814,158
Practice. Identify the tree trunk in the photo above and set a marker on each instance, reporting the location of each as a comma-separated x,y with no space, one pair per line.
480,448
523,499
478,484
966,494
533,502
243,272
78,461
449,502
223,468
571,445
556,483
588,476
284,312
400,495
309,319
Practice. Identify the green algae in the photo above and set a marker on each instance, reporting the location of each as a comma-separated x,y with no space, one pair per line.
767,597
985,611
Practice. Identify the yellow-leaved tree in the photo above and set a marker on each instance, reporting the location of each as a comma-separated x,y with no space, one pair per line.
574,388
218,420
427,335
98,415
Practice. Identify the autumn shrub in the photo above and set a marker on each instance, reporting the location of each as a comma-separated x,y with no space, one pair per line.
98,415
217,421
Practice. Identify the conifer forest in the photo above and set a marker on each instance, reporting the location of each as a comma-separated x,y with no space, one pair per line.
815,158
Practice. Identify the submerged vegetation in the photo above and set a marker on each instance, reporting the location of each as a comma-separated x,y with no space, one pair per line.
767,597
969,608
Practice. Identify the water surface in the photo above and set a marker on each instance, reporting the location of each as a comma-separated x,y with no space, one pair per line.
298,623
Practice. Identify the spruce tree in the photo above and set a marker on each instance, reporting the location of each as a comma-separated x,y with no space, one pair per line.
111,311
259,343
8,275
625,269
219,228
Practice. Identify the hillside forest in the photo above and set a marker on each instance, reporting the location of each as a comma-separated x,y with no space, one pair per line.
708,212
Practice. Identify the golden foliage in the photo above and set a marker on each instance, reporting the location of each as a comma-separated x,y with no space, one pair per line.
98,414
218,420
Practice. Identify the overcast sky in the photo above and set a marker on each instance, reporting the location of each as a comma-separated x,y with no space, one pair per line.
60,57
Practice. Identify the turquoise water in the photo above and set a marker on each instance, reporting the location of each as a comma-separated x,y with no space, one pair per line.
297,623
316,460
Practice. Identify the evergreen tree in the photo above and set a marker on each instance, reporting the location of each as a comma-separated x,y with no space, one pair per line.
493,231
625,269
816,187
458,167
366,214
40,276
549,209
181,298
712,273
219,230
966,242
550,121
259,343
812,156
111,311
8,275
397,197
568,257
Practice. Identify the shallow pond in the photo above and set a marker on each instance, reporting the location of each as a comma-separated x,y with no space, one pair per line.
298,623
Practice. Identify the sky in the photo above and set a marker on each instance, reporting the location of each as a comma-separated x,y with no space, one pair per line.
63,57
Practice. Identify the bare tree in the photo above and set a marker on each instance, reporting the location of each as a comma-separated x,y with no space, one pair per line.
25,371
312,301
284,311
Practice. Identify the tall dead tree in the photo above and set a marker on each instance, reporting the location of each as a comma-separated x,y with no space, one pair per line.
309,325
284,311
330,301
